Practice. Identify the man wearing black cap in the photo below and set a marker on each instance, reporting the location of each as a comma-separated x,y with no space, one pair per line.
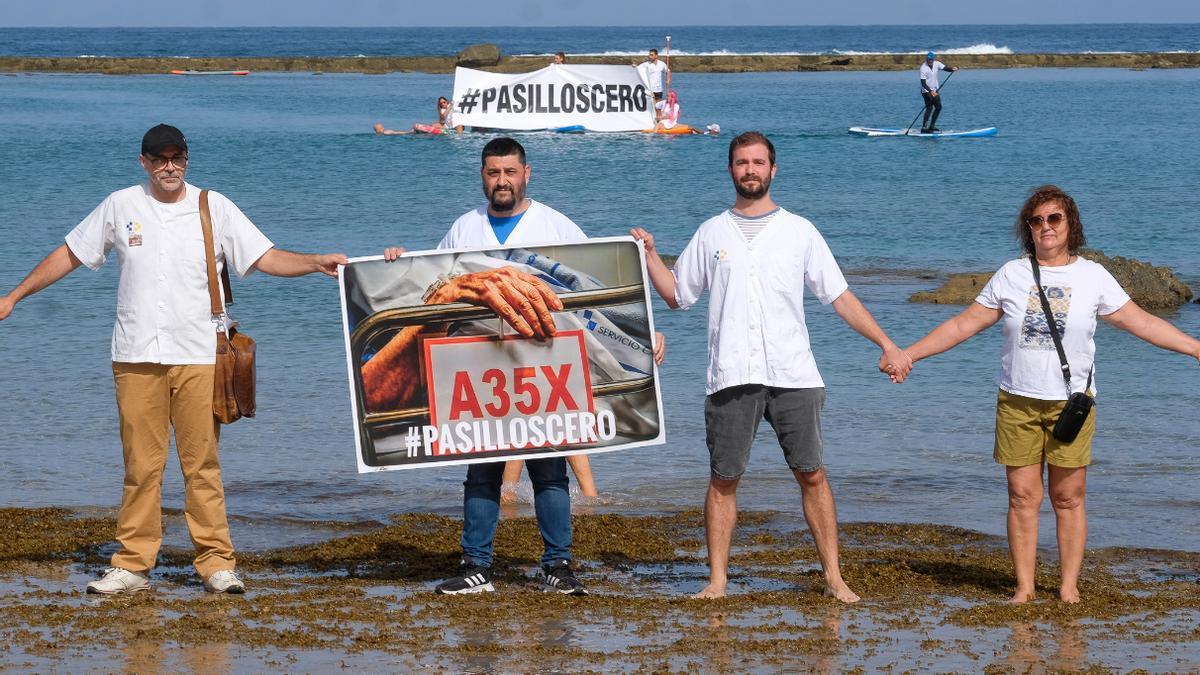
163,348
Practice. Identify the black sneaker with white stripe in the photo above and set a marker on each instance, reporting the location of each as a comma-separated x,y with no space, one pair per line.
471,578
558,578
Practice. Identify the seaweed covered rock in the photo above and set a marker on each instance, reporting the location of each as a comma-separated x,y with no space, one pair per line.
479,56
959,289
1153,288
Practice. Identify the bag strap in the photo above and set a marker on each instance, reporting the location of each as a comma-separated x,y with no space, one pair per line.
211,259
1062,354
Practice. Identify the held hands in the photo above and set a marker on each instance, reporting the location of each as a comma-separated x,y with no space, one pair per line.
660,348
522,300
896,363
6,306
391,253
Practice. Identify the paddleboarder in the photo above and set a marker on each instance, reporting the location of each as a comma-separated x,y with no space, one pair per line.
929,91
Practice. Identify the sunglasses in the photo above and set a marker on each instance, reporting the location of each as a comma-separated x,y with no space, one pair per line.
158,161
1053,220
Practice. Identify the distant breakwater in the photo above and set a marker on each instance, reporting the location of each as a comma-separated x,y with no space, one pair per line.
519,64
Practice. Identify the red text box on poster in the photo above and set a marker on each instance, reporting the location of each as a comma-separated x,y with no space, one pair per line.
493,380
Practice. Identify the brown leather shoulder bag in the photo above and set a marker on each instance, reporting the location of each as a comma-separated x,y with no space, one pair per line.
233,379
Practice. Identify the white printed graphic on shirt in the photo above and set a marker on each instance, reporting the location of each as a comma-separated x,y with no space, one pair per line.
1035,332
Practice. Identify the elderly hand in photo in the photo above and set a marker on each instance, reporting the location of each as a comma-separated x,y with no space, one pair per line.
524,301
521,299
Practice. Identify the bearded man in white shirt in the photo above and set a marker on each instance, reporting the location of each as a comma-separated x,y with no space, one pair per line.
164,349
756,259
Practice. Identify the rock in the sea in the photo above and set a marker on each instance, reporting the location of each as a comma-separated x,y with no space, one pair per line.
1153,288
959,289
479,56
1150,287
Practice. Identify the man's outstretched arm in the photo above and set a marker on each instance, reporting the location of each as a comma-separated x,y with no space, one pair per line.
894,361
53,267
661,277
280,263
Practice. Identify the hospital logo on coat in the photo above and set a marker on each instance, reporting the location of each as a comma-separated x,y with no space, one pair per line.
721,255
587,316
133,230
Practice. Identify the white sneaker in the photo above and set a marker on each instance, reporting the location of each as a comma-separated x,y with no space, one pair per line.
118,580
225,581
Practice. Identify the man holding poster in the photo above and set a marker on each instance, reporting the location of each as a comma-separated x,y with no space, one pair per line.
756,259
526,303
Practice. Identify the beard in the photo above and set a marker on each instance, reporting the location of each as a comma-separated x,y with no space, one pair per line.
505,199
752,189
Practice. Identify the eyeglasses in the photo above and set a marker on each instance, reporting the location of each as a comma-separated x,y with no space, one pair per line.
157,162
1053,220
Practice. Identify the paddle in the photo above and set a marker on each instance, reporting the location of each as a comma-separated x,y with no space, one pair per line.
940,88
669,65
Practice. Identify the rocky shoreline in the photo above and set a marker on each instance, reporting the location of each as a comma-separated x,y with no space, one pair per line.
1152,288
933,601
493,61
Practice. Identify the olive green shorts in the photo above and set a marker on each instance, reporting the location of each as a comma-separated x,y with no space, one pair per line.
1023,433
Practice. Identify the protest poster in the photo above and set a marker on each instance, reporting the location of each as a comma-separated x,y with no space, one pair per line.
594,97
436,377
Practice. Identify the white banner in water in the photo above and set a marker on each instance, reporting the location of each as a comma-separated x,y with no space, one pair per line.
599,98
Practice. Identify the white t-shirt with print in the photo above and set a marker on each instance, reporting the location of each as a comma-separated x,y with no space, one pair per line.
1078,292
164,314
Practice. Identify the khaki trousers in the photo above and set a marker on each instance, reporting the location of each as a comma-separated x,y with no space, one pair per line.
151,399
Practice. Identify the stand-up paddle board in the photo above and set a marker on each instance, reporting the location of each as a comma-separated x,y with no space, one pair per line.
875,131
210,72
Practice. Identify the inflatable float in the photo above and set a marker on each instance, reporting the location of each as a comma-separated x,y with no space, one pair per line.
677,129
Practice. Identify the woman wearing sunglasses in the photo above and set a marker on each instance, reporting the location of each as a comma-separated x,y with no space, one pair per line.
1033,381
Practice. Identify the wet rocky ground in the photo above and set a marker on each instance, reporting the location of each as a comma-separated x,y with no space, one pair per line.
933,600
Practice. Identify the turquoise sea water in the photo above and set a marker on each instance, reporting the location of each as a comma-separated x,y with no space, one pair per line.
296,152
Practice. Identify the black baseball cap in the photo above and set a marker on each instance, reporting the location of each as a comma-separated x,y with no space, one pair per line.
162,136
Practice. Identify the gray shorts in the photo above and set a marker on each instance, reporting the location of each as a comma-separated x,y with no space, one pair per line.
731,419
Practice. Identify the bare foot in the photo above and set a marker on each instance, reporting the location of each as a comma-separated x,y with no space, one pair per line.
1021,597
1068,595
842,592
379,127
711,592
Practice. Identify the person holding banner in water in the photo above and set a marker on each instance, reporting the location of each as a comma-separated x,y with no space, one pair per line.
756,258
526,303
653,72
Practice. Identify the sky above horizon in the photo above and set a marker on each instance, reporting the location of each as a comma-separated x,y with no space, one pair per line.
226,13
